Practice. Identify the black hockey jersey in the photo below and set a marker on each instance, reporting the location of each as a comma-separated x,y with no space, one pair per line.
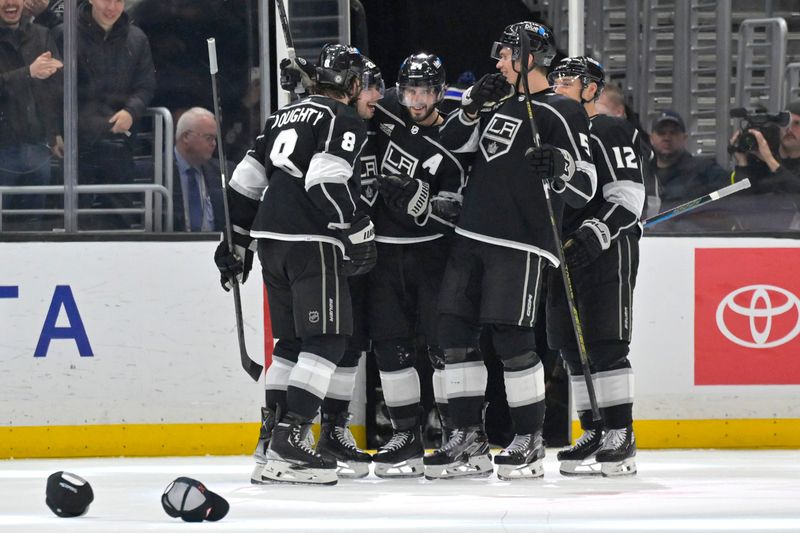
620,188
368,171
405,147
503,203
300,181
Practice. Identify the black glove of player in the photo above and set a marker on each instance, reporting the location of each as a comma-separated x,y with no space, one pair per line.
403,193
231,265
587,243
487,90
550,162
446,206
297,76
359,246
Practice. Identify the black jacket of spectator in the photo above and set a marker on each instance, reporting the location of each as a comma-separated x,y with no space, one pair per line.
53,15
29,108
786,179
688,178
115,72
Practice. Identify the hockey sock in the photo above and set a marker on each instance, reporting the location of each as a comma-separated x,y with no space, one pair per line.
401,391
440,397
308,384
276,381
525,395
340,391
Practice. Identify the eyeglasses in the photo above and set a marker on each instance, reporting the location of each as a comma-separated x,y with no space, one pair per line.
207,137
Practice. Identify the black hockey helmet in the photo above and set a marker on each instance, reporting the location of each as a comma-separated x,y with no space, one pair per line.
543,44
370,75
583,67
339,65
422,70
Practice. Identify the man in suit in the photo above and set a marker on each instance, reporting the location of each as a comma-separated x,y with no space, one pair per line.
197,188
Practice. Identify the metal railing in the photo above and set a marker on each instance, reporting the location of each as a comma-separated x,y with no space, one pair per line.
761,63
151,216
157,207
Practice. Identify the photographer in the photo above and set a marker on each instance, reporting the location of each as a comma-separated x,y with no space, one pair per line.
772,168
770,158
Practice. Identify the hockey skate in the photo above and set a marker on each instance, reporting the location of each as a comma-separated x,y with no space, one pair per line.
337,443
291,459
522,459
617,453
264,435
466,454
401,457
579,460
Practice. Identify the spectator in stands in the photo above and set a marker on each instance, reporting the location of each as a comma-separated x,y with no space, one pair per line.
774,173
30,92
48,13
780,171
678,176
197,188
116,81
611,101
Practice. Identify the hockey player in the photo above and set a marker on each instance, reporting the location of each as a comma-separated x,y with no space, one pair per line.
336,442
602,252
503,241
420,186
294,193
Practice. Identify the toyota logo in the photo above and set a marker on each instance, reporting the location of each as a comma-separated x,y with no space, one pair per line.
762,305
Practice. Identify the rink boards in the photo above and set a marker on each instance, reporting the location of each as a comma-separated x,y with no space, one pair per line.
129,348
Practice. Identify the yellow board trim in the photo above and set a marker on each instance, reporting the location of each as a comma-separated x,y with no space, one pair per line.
134,440
733,433
153,440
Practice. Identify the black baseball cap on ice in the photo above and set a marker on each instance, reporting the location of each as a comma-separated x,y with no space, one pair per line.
68,495
190,500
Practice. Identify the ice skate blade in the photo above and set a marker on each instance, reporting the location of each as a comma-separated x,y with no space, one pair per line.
404,469
255,475
477,467
579,468
351,470
533,470
287,473
623,468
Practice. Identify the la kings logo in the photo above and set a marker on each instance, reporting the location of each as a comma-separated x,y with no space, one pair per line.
369,169
398,161
497,138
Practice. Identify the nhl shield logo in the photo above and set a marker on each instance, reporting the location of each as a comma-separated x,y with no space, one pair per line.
497,138
313,316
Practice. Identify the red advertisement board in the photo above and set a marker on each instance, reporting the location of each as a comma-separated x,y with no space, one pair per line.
747,316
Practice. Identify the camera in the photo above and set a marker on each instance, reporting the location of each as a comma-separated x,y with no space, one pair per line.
768,124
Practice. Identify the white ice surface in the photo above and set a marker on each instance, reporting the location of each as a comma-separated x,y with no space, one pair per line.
686,491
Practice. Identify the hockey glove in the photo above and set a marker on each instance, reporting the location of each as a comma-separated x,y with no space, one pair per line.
231,265
404,194
359,246
488,90
550,162
297,76
446,206
587,243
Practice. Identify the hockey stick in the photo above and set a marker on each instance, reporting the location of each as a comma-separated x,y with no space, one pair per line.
697,202
525,52
290,51
252,368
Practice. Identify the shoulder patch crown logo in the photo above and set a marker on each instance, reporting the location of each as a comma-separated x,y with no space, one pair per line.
387,128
